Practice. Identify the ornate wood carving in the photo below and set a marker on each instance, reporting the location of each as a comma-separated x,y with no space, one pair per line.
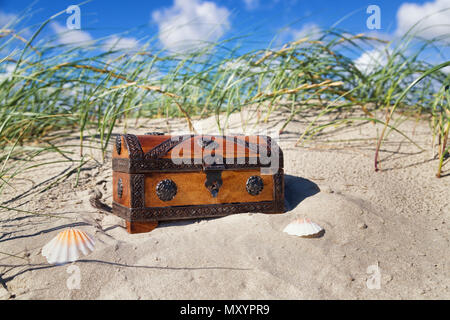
134,146
278,182
119,188
191,212
142,166
137,186
118,144
154,133
164,147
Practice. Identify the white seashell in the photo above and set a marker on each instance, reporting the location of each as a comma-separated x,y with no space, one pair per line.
65,247
302,228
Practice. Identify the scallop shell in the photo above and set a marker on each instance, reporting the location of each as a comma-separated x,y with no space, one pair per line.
67,245
303,228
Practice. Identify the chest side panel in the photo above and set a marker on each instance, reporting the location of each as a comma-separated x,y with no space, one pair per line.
121,188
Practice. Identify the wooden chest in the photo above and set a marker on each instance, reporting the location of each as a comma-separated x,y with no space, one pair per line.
161,177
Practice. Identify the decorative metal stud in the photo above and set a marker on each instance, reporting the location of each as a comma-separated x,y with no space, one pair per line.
166,190
118,144
254,185
119,188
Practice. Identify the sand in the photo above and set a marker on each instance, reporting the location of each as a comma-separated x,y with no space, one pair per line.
386,233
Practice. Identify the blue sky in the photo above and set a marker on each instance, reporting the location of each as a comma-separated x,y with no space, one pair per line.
184,21
103,16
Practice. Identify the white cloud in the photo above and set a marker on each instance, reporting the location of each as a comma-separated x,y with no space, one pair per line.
6,74
251,4
189,23
310,30
369,61
120,43
78,37
67,36
234,65
437,24
6,18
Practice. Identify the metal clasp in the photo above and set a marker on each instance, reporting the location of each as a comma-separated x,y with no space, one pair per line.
213,181
213,177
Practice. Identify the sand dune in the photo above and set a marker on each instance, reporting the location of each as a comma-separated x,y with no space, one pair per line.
396,220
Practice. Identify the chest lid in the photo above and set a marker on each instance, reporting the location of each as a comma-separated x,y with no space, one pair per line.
158,152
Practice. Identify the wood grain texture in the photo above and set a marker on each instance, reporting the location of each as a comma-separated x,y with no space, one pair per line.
144,161
123,150
191,188
125,200
190,148
140,227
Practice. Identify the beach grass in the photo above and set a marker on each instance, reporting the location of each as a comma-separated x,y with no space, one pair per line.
49,90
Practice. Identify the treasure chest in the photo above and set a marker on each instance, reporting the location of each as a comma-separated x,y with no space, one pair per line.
159,177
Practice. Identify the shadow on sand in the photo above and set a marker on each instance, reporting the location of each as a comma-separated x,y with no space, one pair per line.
296,190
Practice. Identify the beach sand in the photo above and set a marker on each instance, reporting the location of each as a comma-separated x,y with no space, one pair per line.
395,221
